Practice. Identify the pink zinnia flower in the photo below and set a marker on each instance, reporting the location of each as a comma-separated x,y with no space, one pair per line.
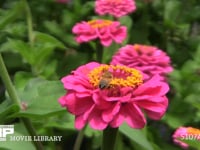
116,8
107,95
148,59
105,30
185,133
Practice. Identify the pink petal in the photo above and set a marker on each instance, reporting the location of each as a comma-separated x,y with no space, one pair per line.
85,69
117,120
62,101
79,122
120,35
134,116
106,42
131,114
100,100
88,112
152,87
109,114
77,106
156,111
126,93
76,83
95,120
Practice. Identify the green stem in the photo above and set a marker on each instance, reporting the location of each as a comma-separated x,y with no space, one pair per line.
8,84
14,97
79,139
109,138
99,49
29,23
32,132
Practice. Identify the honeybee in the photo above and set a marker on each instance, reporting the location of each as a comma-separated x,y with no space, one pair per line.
105,80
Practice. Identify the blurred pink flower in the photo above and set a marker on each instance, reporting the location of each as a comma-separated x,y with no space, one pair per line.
148,59
185,133
102,101
178,134
105,30
116,8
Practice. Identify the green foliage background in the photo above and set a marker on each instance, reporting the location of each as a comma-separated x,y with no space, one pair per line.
38,48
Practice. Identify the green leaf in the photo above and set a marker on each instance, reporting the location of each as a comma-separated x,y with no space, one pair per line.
53,27
42,55
87,7
16,62
7,109
197,105
64,121
127,21
109,52
49,71
11,15
23,48
70,39
48,40
41,99
193,99
21,78
192,142
17,30
38,55
137,136
197,54
171,12
174,120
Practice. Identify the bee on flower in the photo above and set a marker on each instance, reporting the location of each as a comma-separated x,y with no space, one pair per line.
107,95
105,80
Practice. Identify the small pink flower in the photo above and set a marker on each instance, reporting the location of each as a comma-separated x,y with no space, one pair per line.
105,30
178,134
116,8
148,59
107,95
185,133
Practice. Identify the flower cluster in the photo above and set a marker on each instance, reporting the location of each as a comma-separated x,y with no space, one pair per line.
128,89
106,30
124,98
117,8
185,133
148,59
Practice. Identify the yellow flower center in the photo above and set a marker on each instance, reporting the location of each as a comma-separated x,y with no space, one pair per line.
136,47
144,49
122,76
194,131
99,23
